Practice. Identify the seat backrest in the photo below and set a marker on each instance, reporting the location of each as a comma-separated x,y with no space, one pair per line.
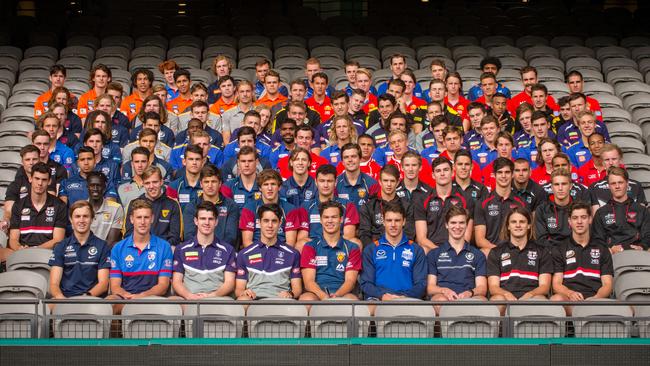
630,260
147,320
219,321
478,320
94,322
607,320
278,322
405,321
632,283
341,314
22,283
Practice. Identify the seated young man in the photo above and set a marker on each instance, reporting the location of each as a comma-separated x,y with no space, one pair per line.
141,264
330,264
81,262
204,265
393,267
268,267
518,268
583,269
457,270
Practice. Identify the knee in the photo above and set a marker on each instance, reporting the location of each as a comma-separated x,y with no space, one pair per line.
497,298
308,296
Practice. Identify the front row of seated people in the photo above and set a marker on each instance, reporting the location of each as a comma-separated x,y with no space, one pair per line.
329,266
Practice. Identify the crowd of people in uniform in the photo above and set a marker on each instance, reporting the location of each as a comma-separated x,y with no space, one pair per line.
268,189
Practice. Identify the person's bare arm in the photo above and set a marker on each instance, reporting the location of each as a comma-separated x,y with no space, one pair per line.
309,280
57,236
351,278
494,284
227,287
102,283
421,232
56,273
247,238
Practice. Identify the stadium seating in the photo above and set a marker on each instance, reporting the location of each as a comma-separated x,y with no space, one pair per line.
614,325
35,261
88,319
22,283
151,320
549,328
478,321
280,320
338,326
222,325
405,321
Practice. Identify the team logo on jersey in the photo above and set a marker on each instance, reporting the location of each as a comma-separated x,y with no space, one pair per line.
570,253
258,195
610,218
151,256
469,256
164,213
129,261
407,254
595,253
340,256
25,211
381,254
92,250
532,255
361,192
309,195
49,211
551,222
505,256
631,217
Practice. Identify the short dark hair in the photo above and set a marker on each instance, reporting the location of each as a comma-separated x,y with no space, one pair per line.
501,163
29,149
92,132
247,150
194,149
573,73
58,68
391,170
351,146
141,151
42,168
326,169
246,131
85,149
491,61
206,206
456,211
321,75
98,175
270,207
151,115
330,204
210,170
439,161
387,97
579,205
182,72
462,153
393,206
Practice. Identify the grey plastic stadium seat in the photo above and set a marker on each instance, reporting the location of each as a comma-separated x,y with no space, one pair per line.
18,114
613,115
22,283
424,41
13,143
30,87
16,319
10,159
113,51
186,63
91,42
591,75
75,63
636,101
425,63
42,51
40,76
623,75
635,41
479,321
516,63
186,40
9,64
607,100
370,63
122,76
528,41
147,320
290,51
151,40
240,75
643,313
84,52
568,53
202,76
556,87
118,40
608,321
255,41
77,75
247,63
389,51
625,129
31,63
354,52
149,63
612,64
600,41
405,321
599,88
629,144
636,161
433,51
469,73
184,51
632,284
319,41
380,76
12,52
566,41
148,51
630,261
392,41
289,41
355,41
88,321
6,177
339,77
534,52
278,321
220,321
211,52
605,53
327,51
458,41
544,325
7,77
462,52
496,41
469,63
337,326
581,63
21,100
77,87
219,41
255,51
549,63
509,75
546,75
24,128
290,63
640,53
113,63
505,51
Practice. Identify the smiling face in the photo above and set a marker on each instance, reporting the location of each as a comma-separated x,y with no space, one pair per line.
331,220
205,222
269,225
141,220
518,226
456,226
80,220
